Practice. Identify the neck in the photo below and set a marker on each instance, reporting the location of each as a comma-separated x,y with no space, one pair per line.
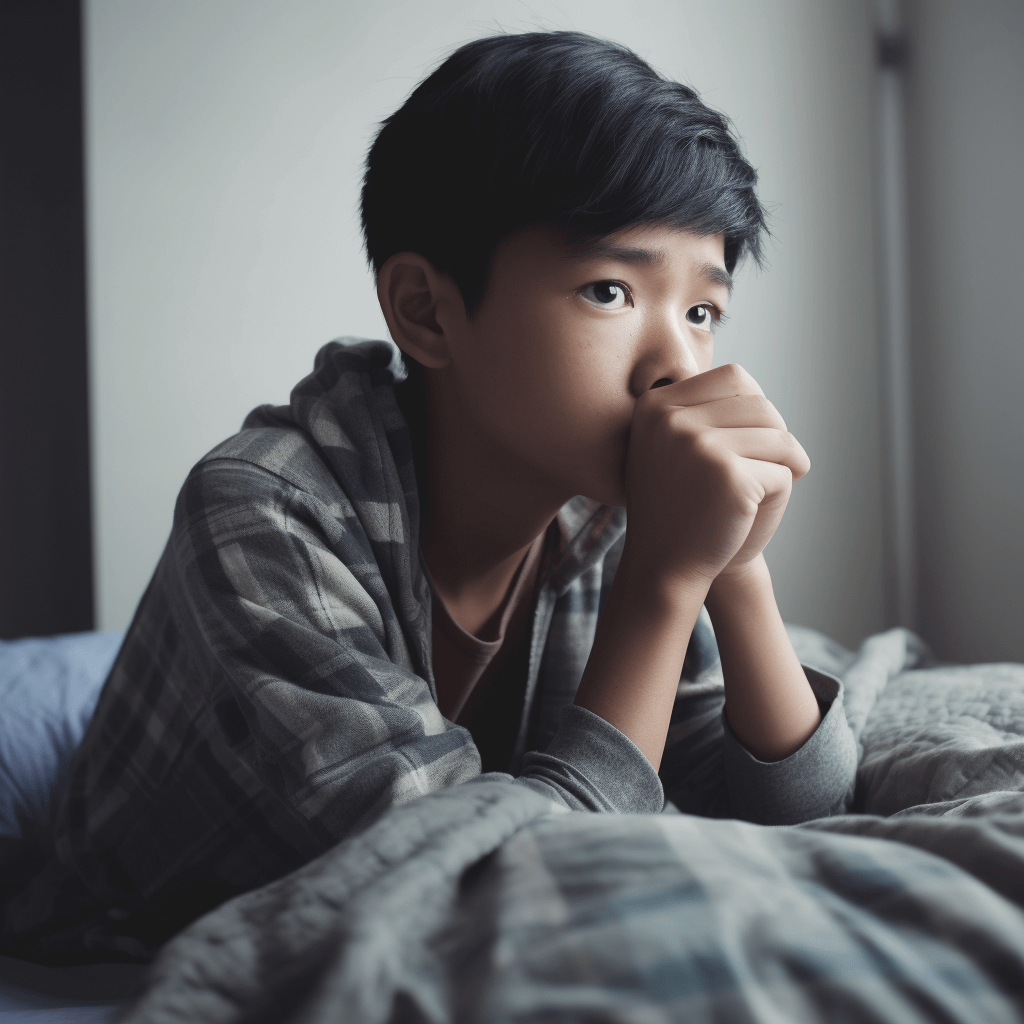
483,509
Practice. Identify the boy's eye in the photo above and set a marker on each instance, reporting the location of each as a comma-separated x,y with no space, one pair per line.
609,294
702,317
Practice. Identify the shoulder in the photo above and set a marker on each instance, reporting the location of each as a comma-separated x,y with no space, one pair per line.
260,473
328,425
268,459
311,450
260,487
328,476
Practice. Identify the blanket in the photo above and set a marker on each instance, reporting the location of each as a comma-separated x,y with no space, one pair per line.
486,903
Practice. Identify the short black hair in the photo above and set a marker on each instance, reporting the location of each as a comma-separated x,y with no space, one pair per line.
557,128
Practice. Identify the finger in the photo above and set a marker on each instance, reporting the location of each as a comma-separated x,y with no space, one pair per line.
712,386
763,445
737,411
774,479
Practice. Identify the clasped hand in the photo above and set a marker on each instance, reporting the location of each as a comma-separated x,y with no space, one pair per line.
709,470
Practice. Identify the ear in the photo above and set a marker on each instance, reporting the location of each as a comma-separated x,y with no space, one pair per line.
421,305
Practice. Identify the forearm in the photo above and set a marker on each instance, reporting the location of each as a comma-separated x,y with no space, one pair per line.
632,675
768,701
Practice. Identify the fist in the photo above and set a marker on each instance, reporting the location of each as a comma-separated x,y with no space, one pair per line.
709,469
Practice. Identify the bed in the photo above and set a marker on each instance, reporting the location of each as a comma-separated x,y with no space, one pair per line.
48,690
484,903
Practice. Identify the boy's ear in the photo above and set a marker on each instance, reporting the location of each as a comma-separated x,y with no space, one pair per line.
421,306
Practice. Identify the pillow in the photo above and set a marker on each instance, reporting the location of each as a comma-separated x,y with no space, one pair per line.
48,691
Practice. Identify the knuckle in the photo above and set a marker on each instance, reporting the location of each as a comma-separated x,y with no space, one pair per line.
803,463
731,474
764,409
795,447
702,444
773,414
742,379
681,422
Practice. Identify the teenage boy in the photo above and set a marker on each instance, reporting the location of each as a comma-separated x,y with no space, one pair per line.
399,581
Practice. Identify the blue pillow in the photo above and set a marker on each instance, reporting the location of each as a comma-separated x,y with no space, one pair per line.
48,691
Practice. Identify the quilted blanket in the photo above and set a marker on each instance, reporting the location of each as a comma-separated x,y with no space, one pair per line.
484,903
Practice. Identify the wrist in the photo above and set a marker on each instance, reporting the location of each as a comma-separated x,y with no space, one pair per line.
649,582
632,674
740,585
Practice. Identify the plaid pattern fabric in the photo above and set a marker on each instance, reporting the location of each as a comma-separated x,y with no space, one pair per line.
274,693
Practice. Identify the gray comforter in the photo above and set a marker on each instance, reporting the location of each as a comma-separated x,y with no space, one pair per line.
482,903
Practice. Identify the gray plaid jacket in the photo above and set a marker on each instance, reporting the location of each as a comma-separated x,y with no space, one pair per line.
274,693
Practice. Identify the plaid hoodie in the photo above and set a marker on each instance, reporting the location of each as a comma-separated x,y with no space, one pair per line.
274,693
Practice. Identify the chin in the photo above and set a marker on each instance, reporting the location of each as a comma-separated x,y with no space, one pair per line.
605,484
614,496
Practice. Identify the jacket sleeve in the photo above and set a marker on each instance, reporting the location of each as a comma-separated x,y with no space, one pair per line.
706,770
290,611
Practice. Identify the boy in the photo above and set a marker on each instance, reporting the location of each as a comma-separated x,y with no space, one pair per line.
397,582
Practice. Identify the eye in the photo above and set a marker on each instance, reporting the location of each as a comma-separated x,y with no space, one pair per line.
607,294
704,317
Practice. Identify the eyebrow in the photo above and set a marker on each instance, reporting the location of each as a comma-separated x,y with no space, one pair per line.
716,275
598,248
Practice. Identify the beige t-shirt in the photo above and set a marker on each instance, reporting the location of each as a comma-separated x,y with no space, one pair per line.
481,682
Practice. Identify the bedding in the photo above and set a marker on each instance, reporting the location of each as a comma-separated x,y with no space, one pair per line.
64,995
483,902
48,690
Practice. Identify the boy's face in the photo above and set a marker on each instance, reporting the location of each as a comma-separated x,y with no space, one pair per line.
563,344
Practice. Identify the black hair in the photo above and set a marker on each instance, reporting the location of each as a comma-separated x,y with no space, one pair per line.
556,128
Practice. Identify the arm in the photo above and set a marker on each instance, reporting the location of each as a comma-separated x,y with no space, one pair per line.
643,636
292,617
633,670
771,708
784,760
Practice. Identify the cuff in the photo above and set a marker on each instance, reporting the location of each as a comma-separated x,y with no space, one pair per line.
590,766
815,781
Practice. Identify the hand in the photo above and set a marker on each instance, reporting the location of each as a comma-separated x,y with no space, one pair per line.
709,470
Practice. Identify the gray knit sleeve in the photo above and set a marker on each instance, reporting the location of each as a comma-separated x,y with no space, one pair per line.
590,766
815,781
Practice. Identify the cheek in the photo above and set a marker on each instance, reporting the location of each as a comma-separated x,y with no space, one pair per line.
511,372
536,346
551,377
705,353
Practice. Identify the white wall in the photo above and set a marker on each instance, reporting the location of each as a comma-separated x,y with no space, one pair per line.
225,143
966,118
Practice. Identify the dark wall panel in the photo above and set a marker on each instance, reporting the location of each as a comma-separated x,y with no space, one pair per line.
45,530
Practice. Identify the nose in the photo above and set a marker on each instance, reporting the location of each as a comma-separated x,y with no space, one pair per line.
667,356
